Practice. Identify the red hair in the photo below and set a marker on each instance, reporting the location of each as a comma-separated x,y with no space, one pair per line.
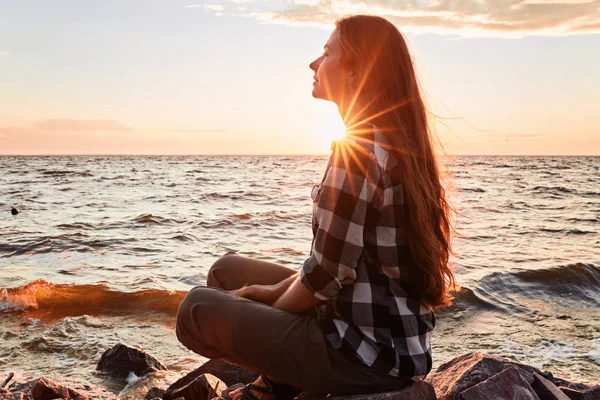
388,96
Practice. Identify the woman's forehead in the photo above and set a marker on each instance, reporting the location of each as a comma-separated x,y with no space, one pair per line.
334,41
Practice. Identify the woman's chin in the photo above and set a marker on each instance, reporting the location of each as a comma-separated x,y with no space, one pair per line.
316,93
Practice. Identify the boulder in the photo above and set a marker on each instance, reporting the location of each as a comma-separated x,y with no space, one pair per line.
580,386
204,387
508,384
592,393
229,373
5,394
120,360
14,396
545,389
154,393
45,389
461,373
419,390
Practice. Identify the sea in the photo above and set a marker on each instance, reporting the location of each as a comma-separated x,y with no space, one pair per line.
104,248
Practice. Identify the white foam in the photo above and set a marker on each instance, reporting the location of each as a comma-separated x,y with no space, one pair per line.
132,378
544,352
594,355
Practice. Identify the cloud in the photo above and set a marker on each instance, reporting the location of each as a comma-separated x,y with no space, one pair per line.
60,126
195,130
208,7
464,17
79,125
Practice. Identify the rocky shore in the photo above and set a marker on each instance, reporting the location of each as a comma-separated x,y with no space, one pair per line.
471,376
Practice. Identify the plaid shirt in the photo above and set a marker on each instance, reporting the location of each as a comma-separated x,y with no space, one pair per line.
360,265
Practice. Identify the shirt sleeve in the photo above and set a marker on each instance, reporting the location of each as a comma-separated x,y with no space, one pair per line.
348,189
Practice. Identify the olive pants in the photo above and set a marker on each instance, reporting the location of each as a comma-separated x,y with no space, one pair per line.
287,347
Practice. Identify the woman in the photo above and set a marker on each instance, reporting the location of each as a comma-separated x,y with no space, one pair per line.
358,316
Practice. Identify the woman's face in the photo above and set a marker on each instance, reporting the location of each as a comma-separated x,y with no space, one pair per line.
332,78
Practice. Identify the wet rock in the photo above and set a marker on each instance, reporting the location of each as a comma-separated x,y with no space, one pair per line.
154,393
122,359
592,393
508,384
461,373
8,379
581,386
418,391
545,389
204,387
14,396
229,373
5,394
45,389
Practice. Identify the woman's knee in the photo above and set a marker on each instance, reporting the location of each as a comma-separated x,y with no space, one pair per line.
192,310
194,315
216,270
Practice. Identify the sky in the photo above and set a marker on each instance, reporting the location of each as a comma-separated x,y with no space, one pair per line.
510,77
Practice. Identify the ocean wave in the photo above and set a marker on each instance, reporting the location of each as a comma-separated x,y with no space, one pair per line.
59,173
76,225
476,190
77,241
553,189
575,219
504,291
467,298
577,282
243,216
567,231
150,219
49,301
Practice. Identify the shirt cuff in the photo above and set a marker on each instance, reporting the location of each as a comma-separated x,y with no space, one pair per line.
318,280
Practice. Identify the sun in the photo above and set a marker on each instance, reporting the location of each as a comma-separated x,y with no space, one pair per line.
332,129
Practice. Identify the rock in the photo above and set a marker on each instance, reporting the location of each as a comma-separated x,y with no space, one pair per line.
5,394
419,390
14,211
45,389
461,373
581,386
8,379
545,389
121,360
204,387
508,384
229,373
14,396
154,393
589,394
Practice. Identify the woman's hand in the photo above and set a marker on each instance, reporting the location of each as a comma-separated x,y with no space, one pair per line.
266,294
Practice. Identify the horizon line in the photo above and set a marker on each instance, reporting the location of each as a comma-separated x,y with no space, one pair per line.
279,155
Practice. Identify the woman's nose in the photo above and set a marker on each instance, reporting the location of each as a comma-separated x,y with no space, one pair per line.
315,64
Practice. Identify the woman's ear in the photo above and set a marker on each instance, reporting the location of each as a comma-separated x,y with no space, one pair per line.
353,79
352,76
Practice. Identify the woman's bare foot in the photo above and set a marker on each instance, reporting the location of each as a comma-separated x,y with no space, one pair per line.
238,395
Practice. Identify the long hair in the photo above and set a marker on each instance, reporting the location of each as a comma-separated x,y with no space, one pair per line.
388,96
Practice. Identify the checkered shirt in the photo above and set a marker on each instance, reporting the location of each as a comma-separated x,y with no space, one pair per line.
360,266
